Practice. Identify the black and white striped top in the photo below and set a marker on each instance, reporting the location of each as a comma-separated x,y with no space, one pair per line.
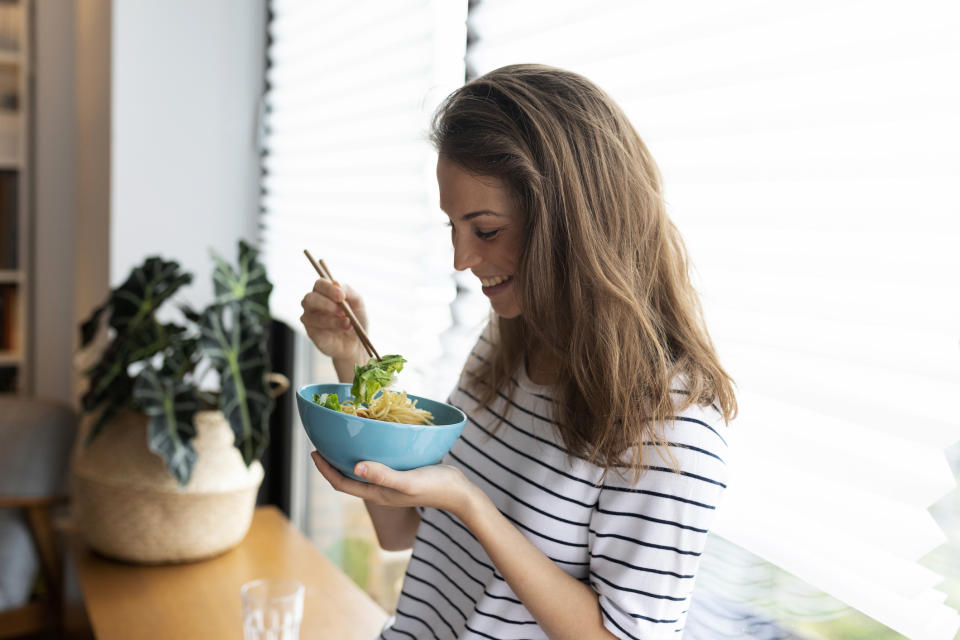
638,545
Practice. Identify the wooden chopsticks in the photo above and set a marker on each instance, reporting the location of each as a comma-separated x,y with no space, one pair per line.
364,338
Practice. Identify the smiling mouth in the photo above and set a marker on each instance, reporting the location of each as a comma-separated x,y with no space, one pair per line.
496,280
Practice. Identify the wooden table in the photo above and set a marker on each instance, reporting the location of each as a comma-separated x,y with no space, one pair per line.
202,599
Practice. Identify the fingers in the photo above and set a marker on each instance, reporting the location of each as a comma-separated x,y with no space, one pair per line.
322,313
379,474
327,297
330,289
339,481
353,298
332,292
314,301
383,486
316,327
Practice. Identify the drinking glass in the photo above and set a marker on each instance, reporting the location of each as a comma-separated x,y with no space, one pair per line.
272,609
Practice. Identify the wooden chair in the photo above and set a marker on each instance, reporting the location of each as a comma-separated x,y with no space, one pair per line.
44,614
36,437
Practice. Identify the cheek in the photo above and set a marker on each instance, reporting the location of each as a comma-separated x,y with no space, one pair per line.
511,252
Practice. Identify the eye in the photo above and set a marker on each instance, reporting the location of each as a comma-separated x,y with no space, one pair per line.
483,235
487,235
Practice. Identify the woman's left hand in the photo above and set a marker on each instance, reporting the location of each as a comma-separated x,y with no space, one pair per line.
439,486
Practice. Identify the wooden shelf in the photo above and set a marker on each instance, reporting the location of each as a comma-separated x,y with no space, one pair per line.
15,159
11,276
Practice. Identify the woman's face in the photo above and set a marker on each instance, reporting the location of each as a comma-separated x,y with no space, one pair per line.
485,228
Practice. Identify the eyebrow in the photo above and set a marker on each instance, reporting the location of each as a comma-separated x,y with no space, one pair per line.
481,212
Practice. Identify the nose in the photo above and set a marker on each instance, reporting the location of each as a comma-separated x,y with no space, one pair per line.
465,253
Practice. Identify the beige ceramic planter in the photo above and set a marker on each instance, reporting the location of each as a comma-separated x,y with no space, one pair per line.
130,508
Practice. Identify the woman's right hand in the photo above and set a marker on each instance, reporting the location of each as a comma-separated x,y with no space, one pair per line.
327,323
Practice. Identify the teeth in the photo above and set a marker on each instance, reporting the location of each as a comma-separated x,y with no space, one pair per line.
492,282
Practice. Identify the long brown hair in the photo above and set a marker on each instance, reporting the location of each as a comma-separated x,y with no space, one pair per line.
603,281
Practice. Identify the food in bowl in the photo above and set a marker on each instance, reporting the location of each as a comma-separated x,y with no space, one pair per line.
351,423
344,439
388,406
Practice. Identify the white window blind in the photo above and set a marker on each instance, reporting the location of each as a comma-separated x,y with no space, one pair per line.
809,152
349,173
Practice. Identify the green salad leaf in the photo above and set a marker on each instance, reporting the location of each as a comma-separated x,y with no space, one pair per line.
328,400
373,376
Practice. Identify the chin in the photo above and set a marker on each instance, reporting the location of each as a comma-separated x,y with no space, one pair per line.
508,311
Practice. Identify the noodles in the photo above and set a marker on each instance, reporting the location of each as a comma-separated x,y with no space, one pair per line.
391,406
388,406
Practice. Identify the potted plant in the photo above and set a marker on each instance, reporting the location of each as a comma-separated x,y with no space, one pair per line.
169,471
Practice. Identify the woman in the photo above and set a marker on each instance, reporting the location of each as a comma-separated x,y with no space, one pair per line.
577,501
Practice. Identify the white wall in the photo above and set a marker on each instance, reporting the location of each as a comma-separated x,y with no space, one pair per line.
187,79
145,119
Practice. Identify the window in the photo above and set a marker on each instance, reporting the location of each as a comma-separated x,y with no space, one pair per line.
348,174
809,159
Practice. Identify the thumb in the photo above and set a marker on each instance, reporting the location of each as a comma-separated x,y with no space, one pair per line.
377,473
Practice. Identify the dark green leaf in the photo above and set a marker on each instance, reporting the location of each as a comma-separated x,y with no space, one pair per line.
138,335
110,386
170,404
90,326
149,338
189,313
248,285
180,357
109,370
207,399
111,409
149,285
234,340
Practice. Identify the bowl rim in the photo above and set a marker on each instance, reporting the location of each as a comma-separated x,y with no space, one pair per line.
372,421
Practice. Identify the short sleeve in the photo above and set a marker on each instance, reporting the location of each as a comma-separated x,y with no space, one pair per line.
646,537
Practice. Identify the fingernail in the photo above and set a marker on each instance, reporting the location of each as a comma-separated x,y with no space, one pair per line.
361,470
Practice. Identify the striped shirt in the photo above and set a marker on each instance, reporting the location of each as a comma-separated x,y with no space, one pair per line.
637,545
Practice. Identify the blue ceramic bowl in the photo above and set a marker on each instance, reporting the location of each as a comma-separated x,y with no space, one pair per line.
345,440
